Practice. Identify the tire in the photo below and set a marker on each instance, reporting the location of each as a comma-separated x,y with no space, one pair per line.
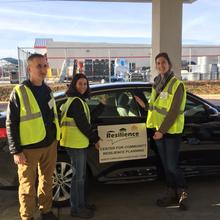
62,180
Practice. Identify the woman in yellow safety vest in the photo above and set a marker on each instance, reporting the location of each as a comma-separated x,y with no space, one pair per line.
76,134
166,119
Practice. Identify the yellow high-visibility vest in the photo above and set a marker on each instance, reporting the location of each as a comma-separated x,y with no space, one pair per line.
160,106
31,127
71,136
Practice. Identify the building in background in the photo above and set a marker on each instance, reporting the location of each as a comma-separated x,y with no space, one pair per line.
99,60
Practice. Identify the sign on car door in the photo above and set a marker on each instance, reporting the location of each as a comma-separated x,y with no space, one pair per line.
122,142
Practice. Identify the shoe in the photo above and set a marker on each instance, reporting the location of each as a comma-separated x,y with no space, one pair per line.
169,198
48,216
183,201
91,206
83,213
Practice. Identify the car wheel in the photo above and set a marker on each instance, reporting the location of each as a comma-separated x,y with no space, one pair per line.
62,181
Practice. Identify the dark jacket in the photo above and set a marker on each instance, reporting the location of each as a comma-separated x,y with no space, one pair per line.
76,111
42,96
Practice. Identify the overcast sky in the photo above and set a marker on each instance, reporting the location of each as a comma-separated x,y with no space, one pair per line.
21,21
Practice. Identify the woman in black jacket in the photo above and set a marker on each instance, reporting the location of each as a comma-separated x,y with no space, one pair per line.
76,135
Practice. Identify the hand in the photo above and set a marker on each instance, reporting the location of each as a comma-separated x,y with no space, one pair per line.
140,101
20,158
157,135
97,145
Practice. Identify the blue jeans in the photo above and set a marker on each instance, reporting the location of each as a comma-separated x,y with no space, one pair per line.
78,161
168,149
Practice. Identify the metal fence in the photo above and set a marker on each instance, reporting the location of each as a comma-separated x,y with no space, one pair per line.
107,64
122,63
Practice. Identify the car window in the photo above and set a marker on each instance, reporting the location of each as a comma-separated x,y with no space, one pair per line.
194,108
147,94
118,104
143,94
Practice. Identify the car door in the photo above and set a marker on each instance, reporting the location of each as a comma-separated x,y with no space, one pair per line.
120,108
200,147
201,140
8,169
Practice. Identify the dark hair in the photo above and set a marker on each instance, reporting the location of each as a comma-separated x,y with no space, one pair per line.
72,87
33,56
165,56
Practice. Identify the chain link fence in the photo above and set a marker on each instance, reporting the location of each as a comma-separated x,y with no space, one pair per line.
122,63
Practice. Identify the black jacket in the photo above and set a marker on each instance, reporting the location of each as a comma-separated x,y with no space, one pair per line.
42,96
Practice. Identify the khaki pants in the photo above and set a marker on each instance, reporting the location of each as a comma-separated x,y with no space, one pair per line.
40,164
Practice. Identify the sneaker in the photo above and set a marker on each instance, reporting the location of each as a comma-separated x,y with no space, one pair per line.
48,216
170,198
83,213
183,201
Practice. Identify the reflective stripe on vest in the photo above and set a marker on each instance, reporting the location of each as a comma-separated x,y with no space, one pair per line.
56,118
71,136
160,106
162,111
68,123
31,127
27,106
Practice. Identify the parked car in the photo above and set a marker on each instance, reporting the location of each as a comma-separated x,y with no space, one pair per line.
200,147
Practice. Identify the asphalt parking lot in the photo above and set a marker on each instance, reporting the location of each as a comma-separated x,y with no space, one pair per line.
135,202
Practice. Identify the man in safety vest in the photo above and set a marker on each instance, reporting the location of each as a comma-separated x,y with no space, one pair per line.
33,131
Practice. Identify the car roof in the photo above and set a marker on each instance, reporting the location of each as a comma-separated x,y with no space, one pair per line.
119,85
